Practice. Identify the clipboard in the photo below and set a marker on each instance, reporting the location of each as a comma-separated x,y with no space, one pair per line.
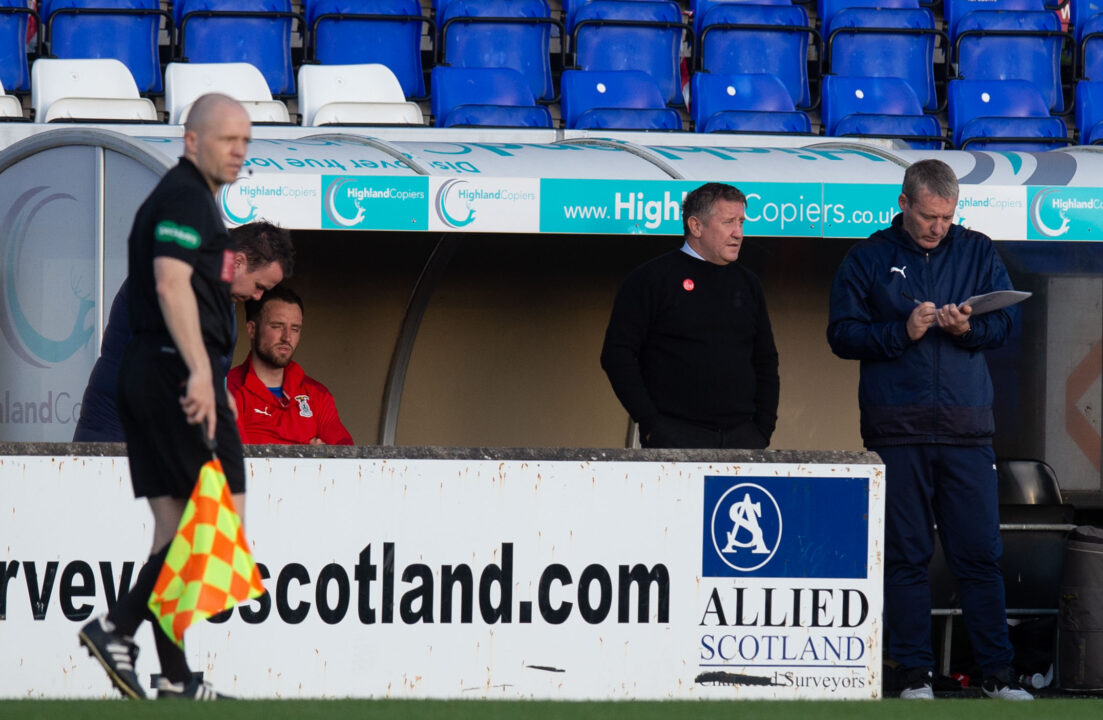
995,300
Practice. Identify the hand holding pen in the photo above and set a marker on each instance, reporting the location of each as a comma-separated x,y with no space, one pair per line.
950,317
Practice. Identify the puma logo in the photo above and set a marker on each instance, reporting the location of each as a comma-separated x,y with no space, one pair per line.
258,411
899,270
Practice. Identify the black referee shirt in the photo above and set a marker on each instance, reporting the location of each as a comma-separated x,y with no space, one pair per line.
180,219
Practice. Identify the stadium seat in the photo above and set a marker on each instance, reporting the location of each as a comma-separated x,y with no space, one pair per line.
614,100
185,82
954,10
354,95
500,33
254,31
1002,115
88,90
568,6
1012,45
354,32
1091,48
744,103
10,107
497,97
884,38
15,71
126,30
700,8
1080,11
878,107
743,39
1089,112
631,35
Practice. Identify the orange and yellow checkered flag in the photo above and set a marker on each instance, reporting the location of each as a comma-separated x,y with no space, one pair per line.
209,567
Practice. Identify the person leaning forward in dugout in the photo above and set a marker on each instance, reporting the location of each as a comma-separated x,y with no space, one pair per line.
689,349
263,256
172,398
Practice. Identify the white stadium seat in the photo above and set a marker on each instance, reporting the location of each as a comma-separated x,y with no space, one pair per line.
368,94
186,82
10,107
89,89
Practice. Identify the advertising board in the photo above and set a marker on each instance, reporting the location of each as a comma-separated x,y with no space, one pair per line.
477,578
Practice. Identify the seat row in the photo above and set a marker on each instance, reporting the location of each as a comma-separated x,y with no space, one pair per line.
1006,114
1016,39
472,33
996,114
103,90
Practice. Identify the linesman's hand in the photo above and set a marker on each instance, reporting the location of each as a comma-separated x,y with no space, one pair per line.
198,401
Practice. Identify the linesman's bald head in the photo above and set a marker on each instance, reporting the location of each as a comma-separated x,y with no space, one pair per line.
205,109
216,138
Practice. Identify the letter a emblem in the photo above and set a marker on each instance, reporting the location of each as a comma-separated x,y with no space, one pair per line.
744,515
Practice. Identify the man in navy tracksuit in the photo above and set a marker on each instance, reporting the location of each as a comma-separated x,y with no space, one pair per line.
926,407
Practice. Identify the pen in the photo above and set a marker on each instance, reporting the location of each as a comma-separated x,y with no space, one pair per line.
909,297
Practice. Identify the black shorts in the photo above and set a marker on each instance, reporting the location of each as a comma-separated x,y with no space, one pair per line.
166,453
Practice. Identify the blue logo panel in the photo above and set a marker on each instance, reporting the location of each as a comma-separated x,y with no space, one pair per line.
785,527
372,203
1065,213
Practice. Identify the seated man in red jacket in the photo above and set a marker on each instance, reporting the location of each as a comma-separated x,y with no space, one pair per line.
276,402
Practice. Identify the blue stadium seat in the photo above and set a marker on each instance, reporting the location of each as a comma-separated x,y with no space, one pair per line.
1012,45
1091,48
883,38
631,35
15,72
954,10
497,97
1002,115
700,8
746,39
614,100
878,107
826,10
569,6
254,31
1080,11
1089,112
744,103
356,32
500,33
125,30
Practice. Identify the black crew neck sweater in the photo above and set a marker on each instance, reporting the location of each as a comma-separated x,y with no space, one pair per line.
692,340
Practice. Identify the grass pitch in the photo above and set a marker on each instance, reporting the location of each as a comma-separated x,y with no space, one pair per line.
942,709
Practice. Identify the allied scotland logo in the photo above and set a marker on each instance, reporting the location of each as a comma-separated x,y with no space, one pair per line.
745,515
746,527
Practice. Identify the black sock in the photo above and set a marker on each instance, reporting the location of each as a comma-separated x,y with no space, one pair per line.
174,664
133,607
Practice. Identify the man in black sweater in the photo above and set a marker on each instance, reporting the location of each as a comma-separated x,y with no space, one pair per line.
689,350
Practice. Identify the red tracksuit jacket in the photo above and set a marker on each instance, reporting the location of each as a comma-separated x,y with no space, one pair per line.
306,412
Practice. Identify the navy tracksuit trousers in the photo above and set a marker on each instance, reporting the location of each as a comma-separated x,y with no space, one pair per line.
955,487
